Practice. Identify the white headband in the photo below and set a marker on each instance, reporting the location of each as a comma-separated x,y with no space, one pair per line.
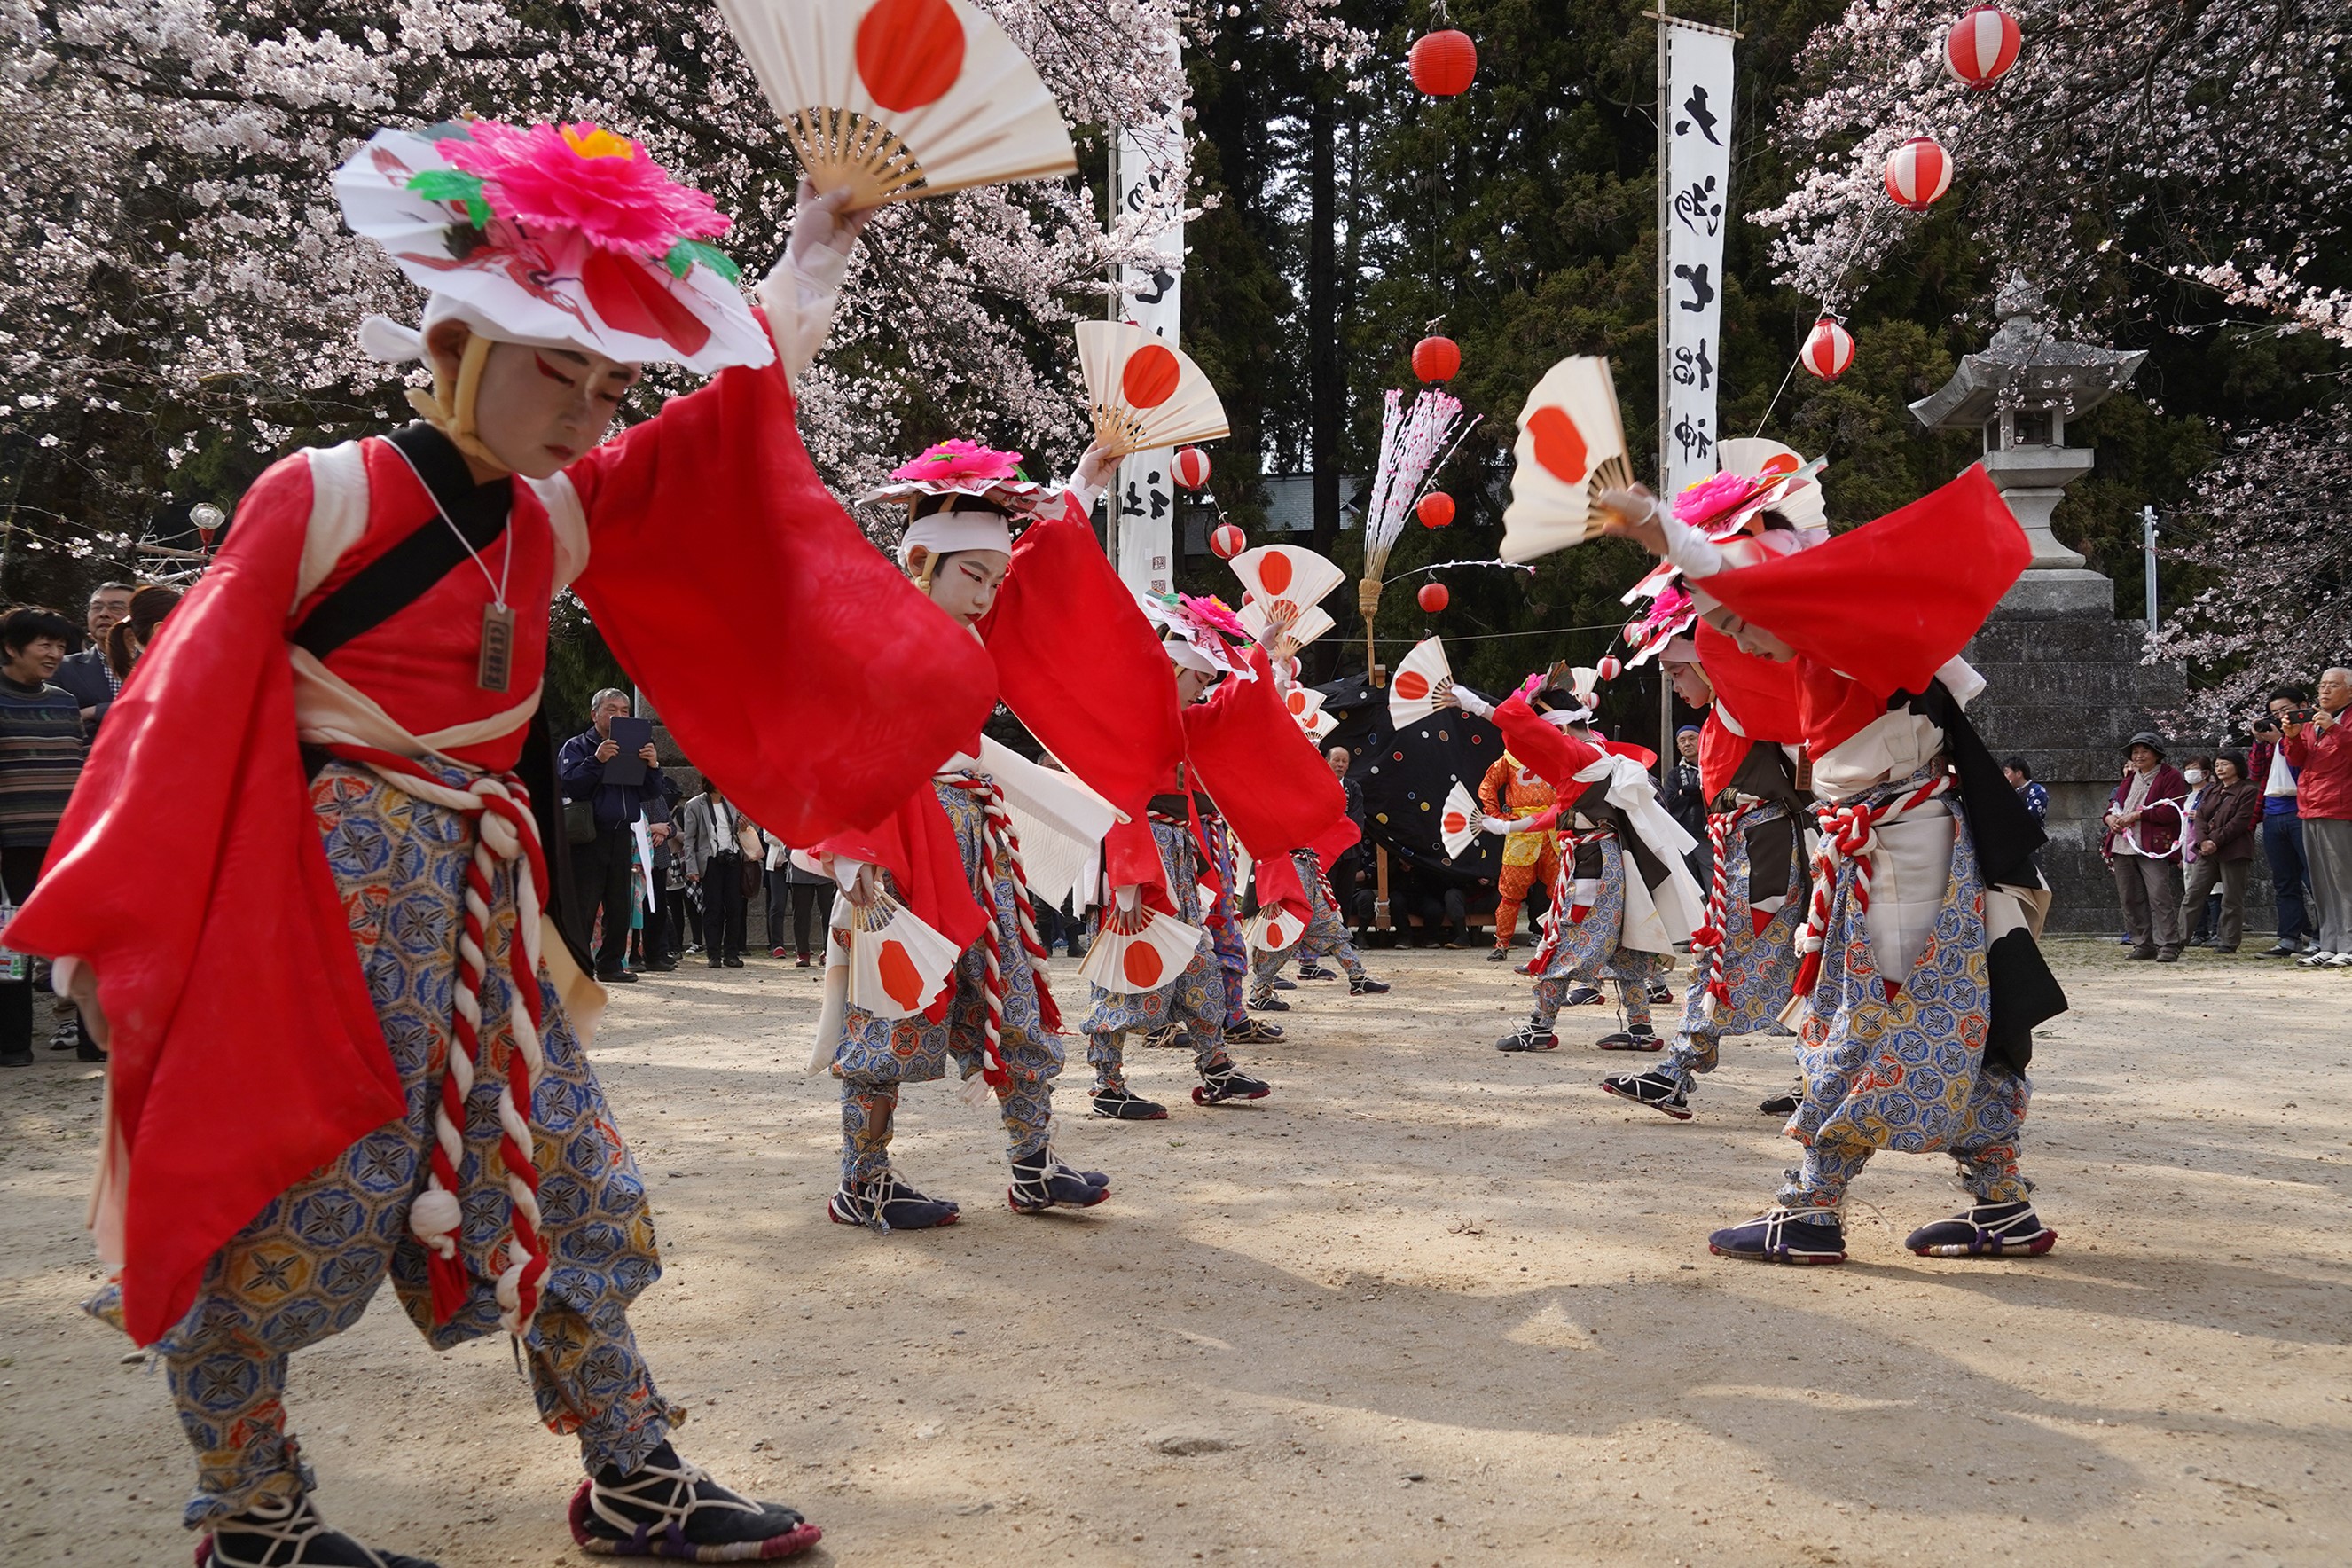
946,533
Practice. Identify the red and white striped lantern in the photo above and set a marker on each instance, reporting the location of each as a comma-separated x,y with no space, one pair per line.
1981,46
1917,172
1191,468
1610,667
1228,542
1829,349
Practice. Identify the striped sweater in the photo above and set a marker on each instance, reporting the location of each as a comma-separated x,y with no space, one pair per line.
41,752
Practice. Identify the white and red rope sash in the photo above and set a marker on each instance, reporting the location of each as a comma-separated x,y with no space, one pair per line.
1000,844
1707,943
1849,832
506,834
1563,895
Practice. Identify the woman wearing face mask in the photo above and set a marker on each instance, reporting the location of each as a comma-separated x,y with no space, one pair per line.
1071,651
2221,832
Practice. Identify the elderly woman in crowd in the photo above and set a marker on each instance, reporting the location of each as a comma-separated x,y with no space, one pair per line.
41,750
2142,844
2222,837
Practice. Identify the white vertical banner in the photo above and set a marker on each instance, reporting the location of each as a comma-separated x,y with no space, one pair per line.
1143,508
1693,205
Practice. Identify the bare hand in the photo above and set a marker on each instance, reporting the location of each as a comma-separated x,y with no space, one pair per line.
651,759
1631,514
2206,847
608,749
1095,468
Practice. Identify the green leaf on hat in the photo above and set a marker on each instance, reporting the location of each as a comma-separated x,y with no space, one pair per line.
452,185
687,252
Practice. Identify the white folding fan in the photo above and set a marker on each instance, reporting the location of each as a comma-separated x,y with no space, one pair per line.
1144,394
1289,571
897,962
1304,627
899,99
1304,702
1321,724
1138,949
1571,444
1422,681
1458,823
1274,929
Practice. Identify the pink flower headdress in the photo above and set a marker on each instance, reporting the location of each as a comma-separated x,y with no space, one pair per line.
963,468
556,235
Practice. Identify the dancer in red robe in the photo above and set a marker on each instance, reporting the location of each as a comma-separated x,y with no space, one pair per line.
303,895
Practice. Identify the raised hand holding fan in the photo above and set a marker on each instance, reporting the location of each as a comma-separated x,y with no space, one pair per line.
1458,823
900,100
1422,684
1571,446
1144,394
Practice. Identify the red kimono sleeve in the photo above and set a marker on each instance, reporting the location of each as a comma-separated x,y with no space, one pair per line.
1275,790
188,873
795,665
1555,757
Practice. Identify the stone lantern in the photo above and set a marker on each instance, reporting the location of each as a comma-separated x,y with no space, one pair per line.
2019,393
2066,683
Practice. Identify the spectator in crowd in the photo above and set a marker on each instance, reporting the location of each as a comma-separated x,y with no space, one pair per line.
2031,792
2319,745
129,637
2274,775
1428,908
1685,801
723,850
41,752
2196,918
87,674
600,866
658,947
2142,845
809,896
2222,836
1348,868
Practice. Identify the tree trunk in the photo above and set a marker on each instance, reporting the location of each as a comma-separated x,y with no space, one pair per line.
1325,391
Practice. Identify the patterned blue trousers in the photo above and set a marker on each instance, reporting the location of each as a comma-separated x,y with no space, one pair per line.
1758,965
1326,935
1586,949
1907,1072
878,1055
1226,924
308,1265
1195,1000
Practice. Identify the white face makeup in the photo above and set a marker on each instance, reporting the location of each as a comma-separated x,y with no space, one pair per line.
963,583
1191,685
537,410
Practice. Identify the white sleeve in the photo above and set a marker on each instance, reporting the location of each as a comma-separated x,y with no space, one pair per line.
1472,703
800,296
1689,549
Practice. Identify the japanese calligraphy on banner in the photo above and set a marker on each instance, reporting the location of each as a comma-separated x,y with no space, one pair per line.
1143,511
1694,137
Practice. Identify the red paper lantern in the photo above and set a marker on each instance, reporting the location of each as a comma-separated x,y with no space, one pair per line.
1434,597
1437,358
1190,468
1981,46
1435,511
1228,542
1917,172
1443,63
1829,349
1610,667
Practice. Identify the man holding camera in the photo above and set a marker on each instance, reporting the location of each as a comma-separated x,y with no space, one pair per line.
2317,746
2281,824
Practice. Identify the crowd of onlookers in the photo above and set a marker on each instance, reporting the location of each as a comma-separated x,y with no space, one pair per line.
2181,840
53,699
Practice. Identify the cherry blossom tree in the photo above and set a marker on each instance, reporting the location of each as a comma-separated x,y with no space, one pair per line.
179,281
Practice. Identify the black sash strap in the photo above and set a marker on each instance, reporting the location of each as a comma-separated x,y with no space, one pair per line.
410,568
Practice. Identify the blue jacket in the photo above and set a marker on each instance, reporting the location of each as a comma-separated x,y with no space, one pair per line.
583,779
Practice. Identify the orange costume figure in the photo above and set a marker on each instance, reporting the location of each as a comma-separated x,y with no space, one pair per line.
1510,789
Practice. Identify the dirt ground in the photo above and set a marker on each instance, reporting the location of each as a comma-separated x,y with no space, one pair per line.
1428,1304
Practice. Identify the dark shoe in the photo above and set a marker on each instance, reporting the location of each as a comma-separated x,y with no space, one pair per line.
669,1508
2279,950
618,977
1640,1039
735,963
87,1053
1310,970
2230,949
1119,1105
1044,1181
1660,994
1529,1037
23,1061
1282,982
1581,994
1783,1236
1986,1230
66,1037
886,1204
1365,985
1221,1081
2167,955
1256,1032
1499,955
715,963
1655,1089
1269,1003
1784,1104
290,1535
